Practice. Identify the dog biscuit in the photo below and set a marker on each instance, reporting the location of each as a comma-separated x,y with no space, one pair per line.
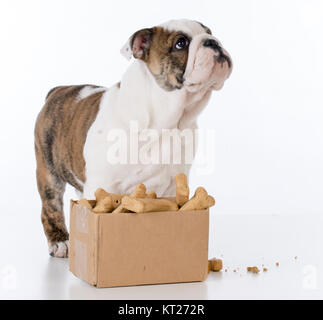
253,269
215,264
148,205
120,209
104,206
100,194
151,195
106,202
85,203
182,189
141,192
200,201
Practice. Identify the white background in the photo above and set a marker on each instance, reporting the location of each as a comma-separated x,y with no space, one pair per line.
268,119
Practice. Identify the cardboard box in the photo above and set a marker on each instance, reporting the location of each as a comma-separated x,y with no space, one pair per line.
125,249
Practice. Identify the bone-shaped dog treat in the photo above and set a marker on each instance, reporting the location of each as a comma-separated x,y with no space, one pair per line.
85,203
106,202
200,201
141,192
100,194
120,209
104,206
116,199
182,189
151,195
148,205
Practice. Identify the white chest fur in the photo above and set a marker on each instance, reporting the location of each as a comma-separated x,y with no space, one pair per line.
139,99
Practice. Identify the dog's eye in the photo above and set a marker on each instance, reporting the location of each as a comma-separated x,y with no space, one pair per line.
181,43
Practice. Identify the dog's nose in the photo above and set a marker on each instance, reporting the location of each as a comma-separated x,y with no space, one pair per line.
211,43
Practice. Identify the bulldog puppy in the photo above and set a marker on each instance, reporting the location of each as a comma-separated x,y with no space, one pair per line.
176,67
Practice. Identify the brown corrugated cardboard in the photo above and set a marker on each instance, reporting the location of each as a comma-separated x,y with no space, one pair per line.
124,249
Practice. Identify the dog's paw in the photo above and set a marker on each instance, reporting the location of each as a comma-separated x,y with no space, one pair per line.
59,249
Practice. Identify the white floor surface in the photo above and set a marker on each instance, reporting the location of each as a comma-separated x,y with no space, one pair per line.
28,272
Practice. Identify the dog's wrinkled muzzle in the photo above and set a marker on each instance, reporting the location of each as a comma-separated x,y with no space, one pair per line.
208,65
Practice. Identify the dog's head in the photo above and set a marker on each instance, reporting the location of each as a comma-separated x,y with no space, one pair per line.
181,54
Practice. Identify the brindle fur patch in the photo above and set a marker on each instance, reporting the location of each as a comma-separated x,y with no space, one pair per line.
60,134
166,64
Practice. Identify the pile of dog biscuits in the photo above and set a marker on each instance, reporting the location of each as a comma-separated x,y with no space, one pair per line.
141,201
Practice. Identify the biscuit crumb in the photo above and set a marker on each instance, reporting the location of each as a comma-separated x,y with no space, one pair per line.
264,269
277,264
216,264
253,269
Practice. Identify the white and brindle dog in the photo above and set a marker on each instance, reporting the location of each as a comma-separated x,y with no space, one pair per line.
177,65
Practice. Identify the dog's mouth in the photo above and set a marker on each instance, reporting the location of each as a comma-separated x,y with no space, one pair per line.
180,79
207,69
223,61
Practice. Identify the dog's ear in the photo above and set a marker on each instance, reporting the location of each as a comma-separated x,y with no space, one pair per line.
138,44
